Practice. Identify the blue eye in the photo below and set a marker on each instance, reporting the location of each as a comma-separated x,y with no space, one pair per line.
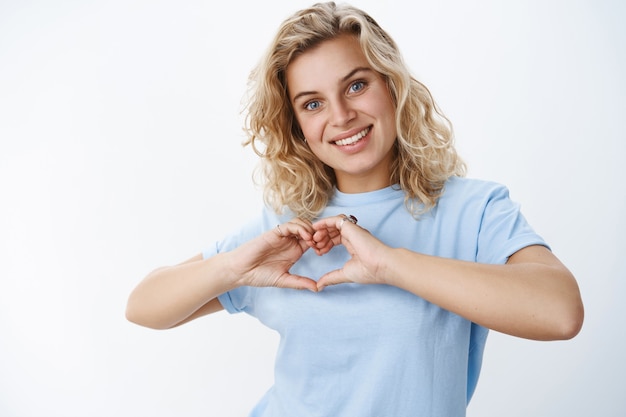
312,105
357,86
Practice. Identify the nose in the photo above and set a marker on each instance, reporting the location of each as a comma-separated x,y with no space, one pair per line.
341,112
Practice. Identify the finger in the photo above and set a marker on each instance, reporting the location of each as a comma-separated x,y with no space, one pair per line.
327,229
328,223
324,239
322,249
302,222
347,219
335,223
297,228
332,278
297,282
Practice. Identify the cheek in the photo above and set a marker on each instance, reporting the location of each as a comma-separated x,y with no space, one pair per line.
388,117
385,107
312,131
316,147
314,141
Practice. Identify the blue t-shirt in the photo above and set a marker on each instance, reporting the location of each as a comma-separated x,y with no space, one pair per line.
377,350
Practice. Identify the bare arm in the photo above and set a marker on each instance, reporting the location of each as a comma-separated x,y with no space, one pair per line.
533,296
173,295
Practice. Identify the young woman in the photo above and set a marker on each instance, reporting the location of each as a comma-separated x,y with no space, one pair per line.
379,264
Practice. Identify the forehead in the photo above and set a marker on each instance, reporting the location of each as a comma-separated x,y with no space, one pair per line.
329,61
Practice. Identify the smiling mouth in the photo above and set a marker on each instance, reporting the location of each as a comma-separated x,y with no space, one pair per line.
354,138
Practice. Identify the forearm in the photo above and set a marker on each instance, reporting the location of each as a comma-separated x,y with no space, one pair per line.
173,295
534,300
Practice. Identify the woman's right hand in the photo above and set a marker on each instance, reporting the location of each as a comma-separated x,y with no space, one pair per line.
265,261
172,295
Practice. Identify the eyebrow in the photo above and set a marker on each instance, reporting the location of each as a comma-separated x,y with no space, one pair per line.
342,80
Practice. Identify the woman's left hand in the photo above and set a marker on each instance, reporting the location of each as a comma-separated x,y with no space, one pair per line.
366,265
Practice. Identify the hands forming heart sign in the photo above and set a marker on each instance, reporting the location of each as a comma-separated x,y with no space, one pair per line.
266,260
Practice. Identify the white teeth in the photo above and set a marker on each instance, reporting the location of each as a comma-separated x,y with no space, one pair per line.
352,139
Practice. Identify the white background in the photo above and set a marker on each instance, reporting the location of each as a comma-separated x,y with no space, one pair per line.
120,151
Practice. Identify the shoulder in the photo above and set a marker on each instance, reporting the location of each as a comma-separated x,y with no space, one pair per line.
484,211
467,191
251,227
463,186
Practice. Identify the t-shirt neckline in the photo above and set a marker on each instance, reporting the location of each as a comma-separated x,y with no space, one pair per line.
343,199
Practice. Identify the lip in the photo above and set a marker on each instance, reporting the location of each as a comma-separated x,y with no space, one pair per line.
356,147
350,134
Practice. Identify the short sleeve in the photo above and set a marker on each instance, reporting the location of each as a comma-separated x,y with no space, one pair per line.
503,229
232,301
240,299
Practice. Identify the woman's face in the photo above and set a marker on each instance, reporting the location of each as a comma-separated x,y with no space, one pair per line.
345,111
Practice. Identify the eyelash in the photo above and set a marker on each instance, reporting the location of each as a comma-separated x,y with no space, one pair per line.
361,83
308,103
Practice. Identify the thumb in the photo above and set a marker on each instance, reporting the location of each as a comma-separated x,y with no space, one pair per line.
298,282
331,278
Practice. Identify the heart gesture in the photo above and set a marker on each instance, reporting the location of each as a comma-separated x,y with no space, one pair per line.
366,252
266,260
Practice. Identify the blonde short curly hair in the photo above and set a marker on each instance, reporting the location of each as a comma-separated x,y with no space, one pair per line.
292,175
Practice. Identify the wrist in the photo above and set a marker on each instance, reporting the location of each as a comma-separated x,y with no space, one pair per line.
232,277
393,268
386,271
225,264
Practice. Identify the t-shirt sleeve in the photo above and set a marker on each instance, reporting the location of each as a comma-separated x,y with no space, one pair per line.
503,229
239,299
232,301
